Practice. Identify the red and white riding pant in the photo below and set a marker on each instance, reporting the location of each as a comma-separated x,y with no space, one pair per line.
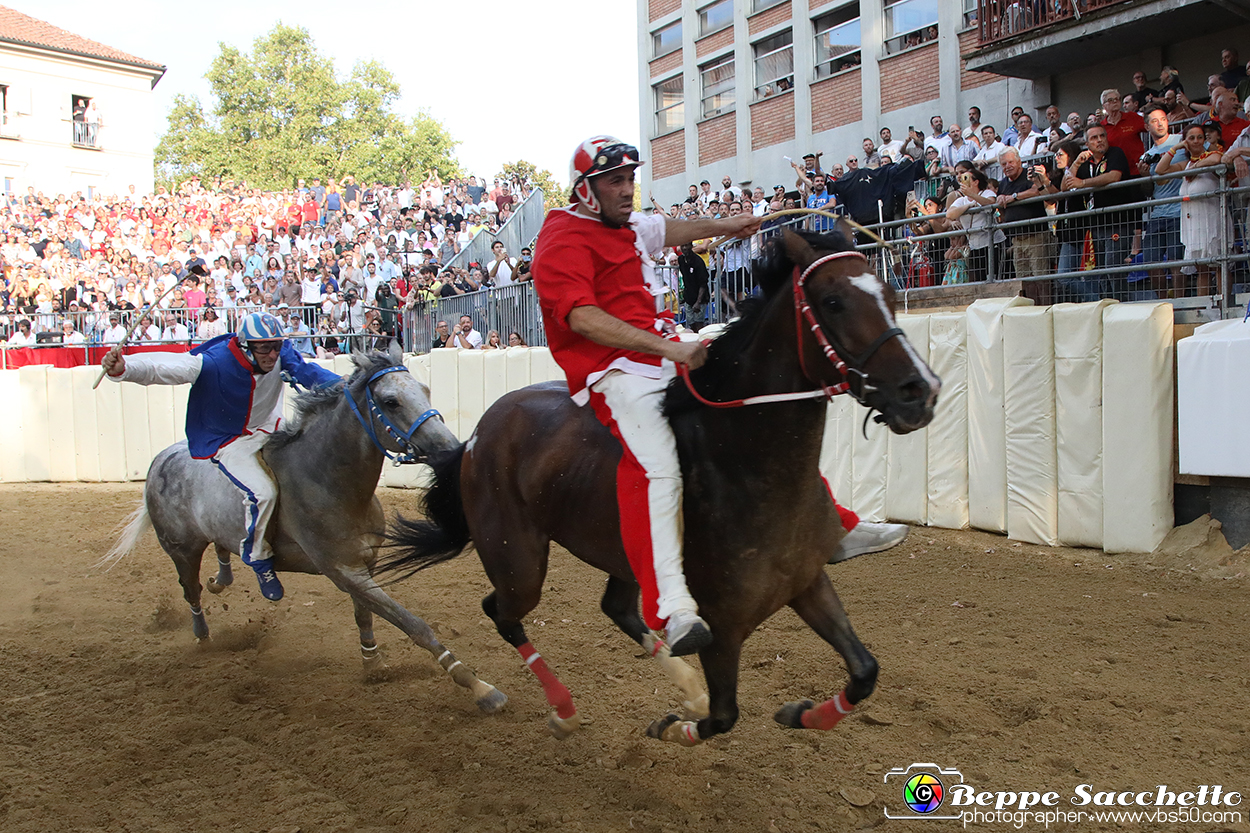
648,489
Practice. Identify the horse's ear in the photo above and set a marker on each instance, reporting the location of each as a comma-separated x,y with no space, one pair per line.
797,249
360,358
396,352
846,230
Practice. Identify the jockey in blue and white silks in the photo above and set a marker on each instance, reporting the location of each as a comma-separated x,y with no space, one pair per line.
234,405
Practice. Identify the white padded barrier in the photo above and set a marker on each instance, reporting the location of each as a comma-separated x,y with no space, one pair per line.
86,436
906,481
1029,423
987,459
342,364
137,442
517,364
62,457
161,431
1137,395
947,434
494,376
1078,421
471,390
444,386
181,392
869,461
835,449
1211,395
110,438
36,442
419,366
12,461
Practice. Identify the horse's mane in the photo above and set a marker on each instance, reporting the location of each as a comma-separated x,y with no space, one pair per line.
772,272
313,403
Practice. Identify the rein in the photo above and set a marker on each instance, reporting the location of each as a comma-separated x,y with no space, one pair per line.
409,454
848,371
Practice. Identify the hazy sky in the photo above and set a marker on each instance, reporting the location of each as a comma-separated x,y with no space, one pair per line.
510,80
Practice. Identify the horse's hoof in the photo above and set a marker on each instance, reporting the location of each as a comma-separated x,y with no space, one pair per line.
563,727
215,587
492,701
696,709
656,729
791,714
376,670
199,626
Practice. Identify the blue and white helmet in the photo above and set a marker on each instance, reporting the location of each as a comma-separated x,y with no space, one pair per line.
259,326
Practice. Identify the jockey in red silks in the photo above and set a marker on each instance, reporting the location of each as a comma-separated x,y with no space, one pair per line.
600,298
234,405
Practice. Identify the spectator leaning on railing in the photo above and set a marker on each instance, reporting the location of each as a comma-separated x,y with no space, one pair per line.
1031,245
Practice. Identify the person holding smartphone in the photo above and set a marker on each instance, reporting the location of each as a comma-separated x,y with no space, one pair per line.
1033,245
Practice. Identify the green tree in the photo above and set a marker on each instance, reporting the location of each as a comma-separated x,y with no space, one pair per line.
554,194
281,113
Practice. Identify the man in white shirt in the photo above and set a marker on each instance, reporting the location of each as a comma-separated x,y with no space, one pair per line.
174,330
115,332
991,147
310,285
502,267
940,139
465,336
69,335
890,146
23,337
147,330
1028,141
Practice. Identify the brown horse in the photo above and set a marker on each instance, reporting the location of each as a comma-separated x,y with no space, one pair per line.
759,522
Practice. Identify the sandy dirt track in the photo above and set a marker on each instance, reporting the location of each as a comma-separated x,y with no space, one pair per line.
1025,667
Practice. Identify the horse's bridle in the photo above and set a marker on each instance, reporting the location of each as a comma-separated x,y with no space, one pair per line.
403,438
854,369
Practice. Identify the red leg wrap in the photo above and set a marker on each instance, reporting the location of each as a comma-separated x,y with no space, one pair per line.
849,519
557,694
827,714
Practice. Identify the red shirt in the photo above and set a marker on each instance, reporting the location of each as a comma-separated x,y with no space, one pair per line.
578,261
1230,131
1126,135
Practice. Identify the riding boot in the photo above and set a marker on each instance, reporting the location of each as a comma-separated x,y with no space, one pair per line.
270,586
687,633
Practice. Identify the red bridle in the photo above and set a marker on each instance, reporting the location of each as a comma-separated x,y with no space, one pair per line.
803,310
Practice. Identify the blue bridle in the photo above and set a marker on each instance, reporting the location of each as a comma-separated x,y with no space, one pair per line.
403,438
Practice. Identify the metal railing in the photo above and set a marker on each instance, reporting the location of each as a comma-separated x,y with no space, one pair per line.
520,230
505,310
1001,19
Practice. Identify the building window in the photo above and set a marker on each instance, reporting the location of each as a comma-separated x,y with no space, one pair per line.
718,86
86,121
970,13
715,17
666,40
760,5
774,64
670,105
909,23
837,40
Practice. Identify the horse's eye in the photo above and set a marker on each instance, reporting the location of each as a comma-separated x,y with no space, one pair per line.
390,401
831,303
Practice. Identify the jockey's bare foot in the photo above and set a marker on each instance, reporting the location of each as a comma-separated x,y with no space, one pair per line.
270,586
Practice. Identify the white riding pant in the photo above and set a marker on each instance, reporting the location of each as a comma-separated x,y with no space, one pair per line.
240,462
648,488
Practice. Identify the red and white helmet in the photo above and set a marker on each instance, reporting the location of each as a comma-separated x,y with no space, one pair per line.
597,155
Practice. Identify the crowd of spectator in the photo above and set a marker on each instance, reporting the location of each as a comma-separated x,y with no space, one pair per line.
998,199
336,261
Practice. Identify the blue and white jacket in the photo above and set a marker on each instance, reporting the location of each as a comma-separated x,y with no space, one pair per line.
228,400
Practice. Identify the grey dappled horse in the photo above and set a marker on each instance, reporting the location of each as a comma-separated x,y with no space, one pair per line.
328,519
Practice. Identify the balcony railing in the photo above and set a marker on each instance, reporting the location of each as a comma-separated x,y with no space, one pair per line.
1001,19
86,135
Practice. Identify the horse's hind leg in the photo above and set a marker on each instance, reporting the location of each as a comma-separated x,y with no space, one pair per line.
187,562
225,573
374,664
820,608
620,604
365,591
720,667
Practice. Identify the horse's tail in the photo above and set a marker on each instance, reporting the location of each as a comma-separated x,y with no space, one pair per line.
132,529
444,532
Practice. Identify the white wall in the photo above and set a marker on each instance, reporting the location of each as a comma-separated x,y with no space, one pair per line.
36,144
1018,379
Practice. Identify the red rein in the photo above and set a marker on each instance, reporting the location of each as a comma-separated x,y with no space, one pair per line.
802,309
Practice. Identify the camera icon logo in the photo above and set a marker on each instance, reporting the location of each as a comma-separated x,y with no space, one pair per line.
923,788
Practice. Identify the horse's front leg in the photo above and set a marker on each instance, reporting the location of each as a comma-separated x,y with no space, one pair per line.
820,608
374,664
720,668
366,593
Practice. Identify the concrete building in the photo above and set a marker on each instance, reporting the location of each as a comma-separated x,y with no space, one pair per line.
731,87
77,115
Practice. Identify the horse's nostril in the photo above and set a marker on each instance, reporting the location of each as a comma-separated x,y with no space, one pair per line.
913,391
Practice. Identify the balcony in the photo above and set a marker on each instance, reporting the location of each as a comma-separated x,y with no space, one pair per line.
1033,38
86,135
